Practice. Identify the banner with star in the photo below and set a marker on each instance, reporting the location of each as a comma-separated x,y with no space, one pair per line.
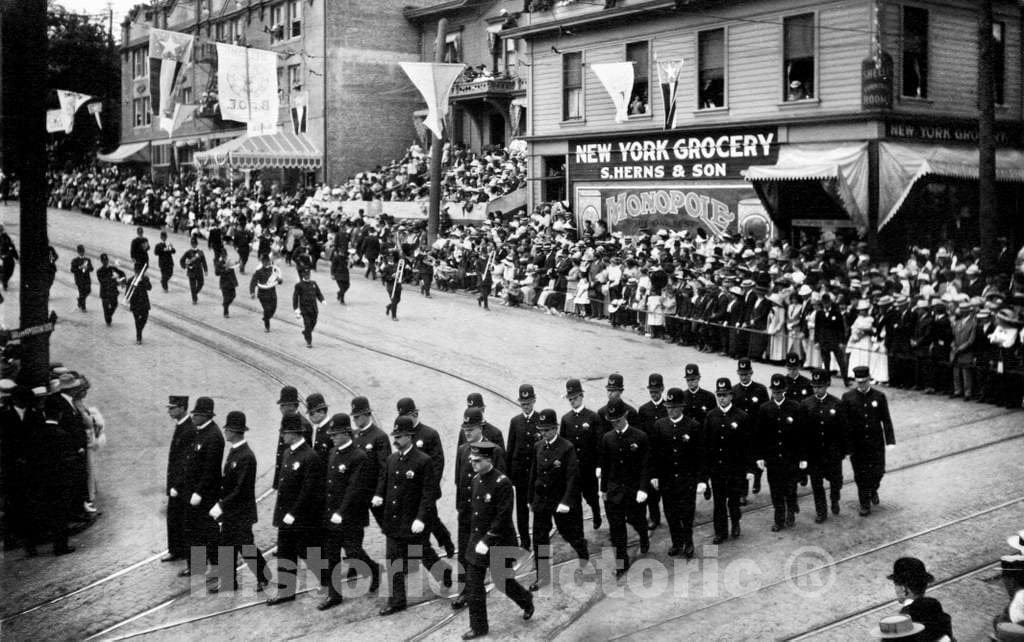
668,78
169,53
434,80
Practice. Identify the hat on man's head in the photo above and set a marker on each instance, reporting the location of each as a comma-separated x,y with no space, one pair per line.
861,372
403,426
674,398
909,569
792,360
743,366
615,382
820,377
289,395
291,423
885,300
69,381
235,421
616,410
573,387
526,393
547,419
340,422
896,626
406,406
315,402
177,401
655,382
778,382
360,406
723,384
204,406
691,371
483,449
472,417
475,400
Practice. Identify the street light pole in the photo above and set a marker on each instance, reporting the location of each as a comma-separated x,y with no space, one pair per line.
434,213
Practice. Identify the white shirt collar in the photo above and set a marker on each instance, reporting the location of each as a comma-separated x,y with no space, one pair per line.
237,444
727,408
205,424
296,445
182,420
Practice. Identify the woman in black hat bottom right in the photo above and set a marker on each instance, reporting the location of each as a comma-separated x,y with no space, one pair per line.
910,580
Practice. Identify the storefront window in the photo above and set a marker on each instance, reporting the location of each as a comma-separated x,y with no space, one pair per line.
711,63
999,61
639,102
572,85
915,52
798,55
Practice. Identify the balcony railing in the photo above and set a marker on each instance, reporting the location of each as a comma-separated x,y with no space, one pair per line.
487,87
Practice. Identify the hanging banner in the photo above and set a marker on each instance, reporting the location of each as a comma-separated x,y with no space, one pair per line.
300,105
668,78
247,86
434,80
70,101
96,109
55,121
182,114
617,78
169,52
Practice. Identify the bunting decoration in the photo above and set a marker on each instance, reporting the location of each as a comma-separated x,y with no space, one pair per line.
300,105
169,53
668,78
434,80
96,109
182,114
247,87
617,78
70,102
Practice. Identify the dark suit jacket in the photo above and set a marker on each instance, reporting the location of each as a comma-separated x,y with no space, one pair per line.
409,488
729,440
350,486
928,611
868,422
464,475
625,464
827,439
202,465
238,488
307,434
493,501
678,453
377,447
181,441
584,430
522,437
780,435
429,441
300,488
554,476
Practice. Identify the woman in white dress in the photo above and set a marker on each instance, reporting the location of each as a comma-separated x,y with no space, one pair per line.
879,356
794,324
812,354
861,335
777,328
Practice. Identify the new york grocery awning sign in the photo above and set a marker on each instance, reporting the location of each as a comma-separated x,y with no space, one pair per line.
698,155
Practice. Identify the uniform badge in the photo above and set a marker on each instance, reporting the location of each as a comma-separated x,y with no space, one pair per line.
874,404
789,420
487,497
831,411
685,437
704,408
369,446
419,444
409,474
342,468
234,464
753,399
199,446
295,466
734,425
633,446
586,425
557,463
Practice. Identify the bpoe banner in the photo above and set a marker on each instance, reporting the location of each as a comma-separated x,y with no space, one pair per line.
247,86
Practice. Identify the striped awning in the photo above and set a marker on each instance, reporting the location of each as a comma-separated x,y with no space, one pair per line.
283,149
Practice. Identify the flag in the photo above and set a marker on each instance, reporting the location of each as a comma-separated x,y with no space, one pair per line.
182,115
434,80
55,121
300,103
247,87
70,101
617,78
96,109
668,77
169,52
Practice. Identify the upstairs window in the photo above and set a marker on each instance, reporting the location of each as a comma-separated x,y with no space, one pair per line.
295,18
453,47
277,23
140,62
639,99
511,56
572,85
915,52
294,78
220,31
798,57
999,61
711,66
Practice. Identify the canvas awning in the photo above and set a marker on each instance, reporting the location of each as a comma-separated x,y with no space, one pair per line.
843,165
902,165
283,149
128,153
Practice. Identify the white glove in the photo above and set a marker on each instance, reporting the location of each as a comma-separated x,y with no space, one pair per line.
562,508
335,518
298,315
195,500
417,526
288,519
597,473
377,501
654,484
750,476
482,548
890,446
701,487
216,511
803,465
760,464
174,492
641,497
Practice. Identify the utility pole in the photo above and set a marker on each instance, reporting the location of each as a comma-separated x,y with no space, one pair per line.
434,213
25,62
987,223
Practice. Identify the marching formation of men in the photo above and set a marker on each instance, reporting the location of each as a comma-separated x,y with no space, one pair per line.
333,471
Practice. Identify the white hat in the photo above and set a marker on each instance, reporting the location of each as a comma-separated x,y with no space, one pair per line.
1016,541
804,290
896,626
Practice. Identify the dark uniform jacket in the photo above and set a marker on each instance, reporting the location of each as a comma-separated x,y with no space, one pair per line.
606,425
262,277
829,326
81,267
584,430
350,486
300,488
464,475
826,430
798,388
307,434
238,488
522,438
429,441
228,278
140,295
409,489
490,433
305,297
139,249
493,498
164,255
780,439
181,443
194,261
377,447
678,453
109,277
554,476
625,464
869,424
749,398
649,413
322,444
202,465
729,440
697,405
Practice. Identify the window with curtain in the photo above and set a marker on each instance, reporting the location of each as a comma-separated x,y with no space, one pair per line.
295,16
294,78
798,57
572,85
639,99
711,69
277,23
453,47
915,52
999,61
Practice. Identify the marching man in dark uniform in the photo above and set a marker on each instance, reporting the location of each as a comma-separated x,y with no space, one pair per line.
194,263
781,449
339,269
582,427
236,510
625,474
866,411
288,404
304,302
321,441
297,514
554,495
370,438
491,536
407,493
648,414
81,268
697,402
614,389
522,437
491,432
177,502
109,278
677,442
798,387
826,443
263,285
139,250
202,484
228,281
389,277
164,251
138,300
748,396
472,430
728,436
349,490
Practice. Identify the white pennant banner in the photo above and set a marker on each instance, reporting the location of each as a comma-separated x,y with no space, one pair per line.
96,109
247,87
617,78
70,101
55,121
434,80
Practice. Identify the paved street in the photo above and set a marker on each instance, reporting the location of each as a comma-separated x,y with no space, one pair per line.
952,495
